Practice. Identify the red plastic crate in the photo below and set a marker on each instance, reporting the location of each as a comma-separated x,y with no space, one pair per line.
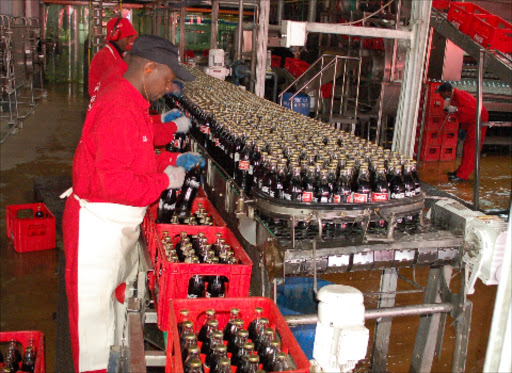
440,4
450,139
295,66
149,222
435,105
461,15
431,138
275,61
172,278
434,123
430,153
197,308
30,233
448,154
492,32
23,338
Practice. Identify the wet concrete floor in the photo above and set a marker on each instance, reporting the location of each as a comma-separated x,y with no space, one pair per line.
45,147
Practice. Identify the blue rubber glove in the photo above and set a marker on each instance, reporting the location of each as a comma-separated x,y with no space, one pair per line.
176,88
189,160
171,115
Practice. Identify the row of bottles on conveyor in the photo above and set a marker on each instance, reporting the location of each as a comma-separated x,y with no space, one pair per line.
235,348
293,159
13,362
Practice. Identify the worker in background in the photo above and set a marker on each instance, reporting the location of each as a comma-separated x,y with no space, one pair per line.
116,175
463,105
120,38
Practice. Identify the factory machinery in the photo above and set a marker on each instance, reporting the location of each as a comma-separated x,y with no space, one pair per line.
22,63
289,238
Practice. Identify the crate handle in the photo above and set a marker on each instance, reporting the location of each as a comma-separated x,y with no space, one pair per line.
36,230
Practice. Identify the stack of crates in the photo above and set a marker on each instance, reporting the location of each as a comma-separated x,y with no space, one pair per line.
440,130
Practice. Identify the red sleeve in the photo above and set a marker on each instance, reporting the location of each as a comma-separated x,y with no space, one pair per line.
118,148
95,71
164,132
165,159
466,105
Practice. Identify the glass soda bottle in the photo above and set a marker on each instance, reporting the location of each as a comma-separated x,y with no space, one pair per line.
210,315
216,287
243,176
409,184
251,365
196,287
363,191
380,191
188,193
293,192
268,185
281,180
194,366
308,187
415,177
343,189
397,188
39,213
184,313
166,206
213,326
224,366
242,355
219,352
192,353
323,190
230,326
258,311
189,340
240,339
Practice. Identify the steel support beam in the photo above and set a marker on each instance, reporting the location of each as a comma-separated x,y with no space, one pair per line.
429,325
261,52
478,126
215,24
371,32
408,104
388,284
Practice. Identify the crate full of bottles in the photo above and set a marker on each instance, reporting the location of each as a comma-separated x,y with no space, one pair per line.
22,351
231,335
202,214
31,227
198,262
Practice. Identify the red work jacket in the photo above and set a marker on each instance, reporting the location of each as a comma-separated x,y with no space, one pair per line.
102,62
466,105
115,160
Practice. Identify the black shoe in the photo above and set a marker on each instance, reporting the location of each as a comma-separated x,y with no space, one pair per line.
456,178
453,173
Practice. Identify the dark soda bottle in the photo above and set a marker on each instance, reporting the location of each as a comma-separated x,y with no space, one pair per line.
192,353
224,366
210,315
251,365
188,192
260,333
308,187
363,191
343,190
253,325
415,177
39,213
231,332
216,287
293,191
243,176
241,338
196,287
166,206
380,191
209,345
242,355
238,145
397,188
409,184
281,180
189,340
269,179
269,355
230,326
218,352
282,363
184,313
323,190
194,366
259,170
212,326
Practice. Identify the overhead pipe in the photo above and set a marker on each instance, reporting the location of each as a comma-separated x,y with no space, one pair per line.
214,24
312,11
280,8
261,67
86,3
240,29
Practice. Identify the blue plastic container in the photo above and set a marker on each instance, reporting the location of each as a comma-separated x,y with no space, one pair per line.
301,103
296,297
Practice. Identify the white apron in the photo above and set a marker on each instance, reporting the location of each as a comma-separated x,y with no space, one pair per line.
107,257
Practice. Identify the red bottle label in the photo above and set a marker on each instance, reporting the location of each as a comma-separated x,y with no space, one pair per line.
243,165
205,129
307,197
360,198
379,197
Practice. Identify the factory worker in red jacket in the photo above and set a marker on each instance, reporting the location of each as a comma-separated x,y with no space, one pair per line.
463,105
120,38
116,175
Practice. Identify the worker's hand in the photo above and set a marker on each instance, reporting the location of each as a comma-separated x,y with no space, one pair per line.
176,176
462,135
171,115
451,109
189,160
176,88
183,124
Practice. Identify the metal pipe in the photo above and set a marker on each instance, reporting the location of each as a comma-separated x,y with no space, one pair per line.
280,8
478,126
312,11
374,32
372,314
240,29
215,24
182,34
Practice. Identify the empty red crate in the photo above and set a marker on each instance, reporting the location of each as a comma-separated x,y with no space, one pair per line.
275,61
492,32
435,105
440,4
197,315
30,233
461,15
448,154
431,138
23,338
295,66
430,153
435,122
172,278
450,139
